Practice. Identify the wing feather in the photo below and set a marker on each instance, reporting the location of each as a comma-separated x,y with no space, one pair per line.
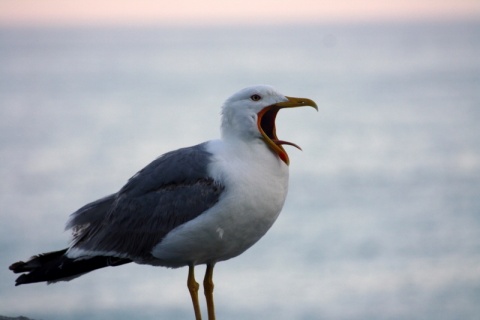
172,190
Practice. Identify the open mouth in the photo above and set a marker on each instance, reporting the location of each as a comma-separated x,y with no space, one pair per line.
266,126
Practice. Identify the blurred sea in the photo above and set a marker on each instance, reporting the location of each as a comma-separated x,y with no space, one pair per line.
383,216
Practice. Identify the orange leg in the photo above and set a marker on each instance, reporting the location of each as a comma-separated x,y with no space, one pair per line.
208,288
193,288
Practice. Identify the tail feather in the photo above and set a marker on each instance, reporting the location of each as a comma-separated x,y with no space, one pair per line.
56,266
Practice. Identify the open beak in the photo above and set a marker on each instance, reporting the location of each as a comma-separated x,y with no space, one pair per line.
266,124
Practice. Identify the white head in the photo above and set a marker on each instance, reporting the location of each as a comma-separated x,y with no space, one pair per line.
250,114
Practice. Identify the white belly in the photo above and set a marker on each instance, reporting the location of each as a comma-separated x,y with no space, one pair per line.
255,182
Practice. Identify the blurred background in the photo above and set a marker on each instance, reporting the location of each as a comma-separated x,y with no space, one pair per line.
383,216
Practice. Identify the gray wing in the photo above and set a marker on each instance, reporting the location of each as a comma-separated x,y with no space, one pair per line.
173,189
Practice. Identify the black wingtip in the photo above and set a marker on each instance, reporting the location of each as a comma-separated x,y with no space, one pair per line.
18,267
20,280
56,266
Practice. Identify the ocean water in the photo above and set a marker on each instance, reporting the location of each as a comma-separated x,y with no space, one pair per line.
382,220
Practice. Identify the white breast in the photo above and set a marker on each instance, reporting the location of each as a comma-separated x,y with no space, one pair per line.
256,183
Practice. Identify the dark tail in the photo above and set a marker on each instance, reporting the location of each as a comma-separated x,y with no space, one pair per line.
56,266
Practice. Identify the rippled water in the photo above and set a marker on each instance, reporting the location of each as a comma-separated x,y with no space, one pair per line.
383,216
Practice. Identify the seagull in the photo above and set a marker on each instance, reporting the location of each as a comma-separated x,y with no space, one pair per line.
192,206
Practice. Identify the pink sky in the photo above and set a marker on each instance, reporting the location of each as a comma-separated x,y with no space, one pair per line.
55,12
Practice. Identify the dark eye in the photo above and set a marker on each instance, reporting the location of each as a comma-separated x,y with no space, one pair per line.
255,97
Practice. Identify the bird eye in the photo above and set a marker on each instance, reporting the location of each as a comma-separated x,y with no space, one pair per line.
255,97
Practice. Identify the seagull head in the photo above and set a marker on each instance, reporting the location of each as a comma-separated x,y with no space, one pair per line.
250,115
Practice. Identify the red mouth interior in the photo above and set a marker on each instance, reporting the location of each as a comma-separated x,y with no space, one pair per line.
267,123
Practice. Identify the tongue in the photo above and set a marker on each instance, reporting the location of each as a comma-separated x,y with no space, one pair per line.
280,142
